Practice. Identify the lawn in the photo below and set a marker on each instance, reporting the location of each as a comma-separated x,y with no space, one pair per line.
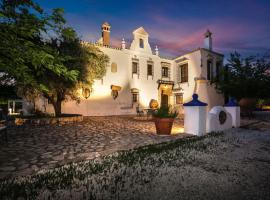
230,165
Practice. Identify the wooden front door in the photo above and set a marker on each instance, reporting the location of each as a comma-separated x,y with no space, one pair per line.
164,100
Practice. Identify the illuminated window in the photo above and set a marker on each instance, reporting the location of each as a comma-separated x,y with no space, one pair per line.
179,98
165,72
141,43
184,73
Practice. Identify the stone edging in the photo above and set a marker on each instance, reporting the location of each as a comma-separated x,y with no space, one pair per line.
53,120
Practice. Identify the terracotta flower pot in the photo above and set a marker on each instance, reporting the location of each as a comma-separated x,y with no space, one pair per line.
247,106
248,103
164,125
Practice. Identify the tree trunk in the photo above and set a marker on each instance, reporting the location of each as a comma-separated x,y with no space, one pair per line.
57,108
56,102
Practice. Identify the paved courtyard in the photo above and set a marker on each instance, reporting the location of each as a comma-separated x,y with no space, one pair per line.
31,148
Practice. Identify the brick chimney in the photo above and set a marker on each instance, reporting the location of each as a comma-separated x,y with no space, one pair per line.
106,33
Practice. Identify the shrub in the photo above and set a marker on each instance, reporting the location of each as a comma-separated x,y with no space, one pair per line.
165,112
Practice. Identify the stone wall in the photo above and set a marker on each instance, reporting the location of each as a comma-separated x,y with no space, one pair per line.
49,120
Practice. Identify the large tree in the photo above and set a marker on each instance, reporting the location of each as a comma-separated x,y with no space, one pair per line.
245,77
42,55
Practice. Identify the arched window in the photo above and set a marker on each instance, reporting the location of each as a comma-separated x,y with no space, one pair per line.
113,67
141,43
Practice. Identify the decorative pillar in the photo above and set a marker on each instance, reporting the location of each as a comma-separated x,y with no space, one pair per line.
195,117
234,109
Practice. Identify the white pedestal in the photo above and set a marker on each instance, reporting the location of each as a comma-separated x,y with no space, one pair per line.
235,113
213,123
195,120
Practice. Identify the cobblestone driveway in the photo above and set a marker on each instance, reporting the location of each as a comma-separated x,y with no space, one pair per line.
32,148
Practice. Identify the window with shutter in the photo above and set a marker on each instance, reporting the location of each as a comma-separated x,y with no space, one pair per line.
209,70
149,70
218,66
184,73
134,68
165,72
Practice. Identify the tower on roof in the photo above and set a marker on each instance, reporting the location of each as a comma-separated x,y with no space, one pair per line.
106,29
208,40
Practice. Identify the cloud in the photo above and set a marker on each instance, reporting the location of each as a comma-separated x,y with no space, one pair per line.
175,36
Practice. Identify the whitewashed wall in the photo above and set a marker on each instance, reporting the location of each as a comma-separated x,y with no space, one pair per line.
101,103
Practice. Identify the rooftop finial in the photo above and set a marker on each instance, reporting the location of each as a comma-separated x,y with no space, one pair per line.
208,33
208,40
123,44
156,51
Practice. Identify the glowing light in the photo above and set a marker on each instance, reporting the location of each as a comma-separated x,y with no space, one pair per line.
177,130
86,92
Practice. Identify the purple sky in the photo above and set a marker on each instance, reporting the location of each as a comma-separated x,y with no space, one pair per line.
175,26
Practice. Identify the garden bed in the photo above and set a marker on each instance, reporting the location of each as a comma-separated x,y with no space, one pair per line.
38,120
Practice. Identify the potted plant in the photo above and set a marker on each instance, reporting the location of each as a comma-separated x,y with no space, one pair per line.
163,118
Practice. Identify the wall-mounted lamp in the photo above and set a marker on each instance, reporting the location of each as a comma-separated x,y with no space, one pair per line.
86,92
115,89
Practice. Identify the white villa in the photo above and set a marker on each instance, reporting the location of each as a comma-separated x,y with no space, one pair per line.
138,74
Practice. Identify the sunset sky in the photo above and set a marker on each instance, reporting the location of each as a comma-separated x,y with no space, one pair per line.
176,26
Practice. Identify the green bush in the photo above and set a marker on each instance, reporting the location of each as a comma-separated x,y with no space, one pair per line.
165,112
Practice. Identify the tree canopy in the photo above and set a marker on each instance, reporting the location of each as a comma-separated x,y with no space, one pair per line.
44,56
245,77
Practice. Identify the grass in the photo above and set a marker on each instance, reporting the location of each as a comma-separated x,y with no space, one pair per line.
108,173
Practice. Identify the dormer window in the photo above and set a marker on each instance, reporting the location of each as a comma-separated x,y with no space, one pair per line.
141,43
